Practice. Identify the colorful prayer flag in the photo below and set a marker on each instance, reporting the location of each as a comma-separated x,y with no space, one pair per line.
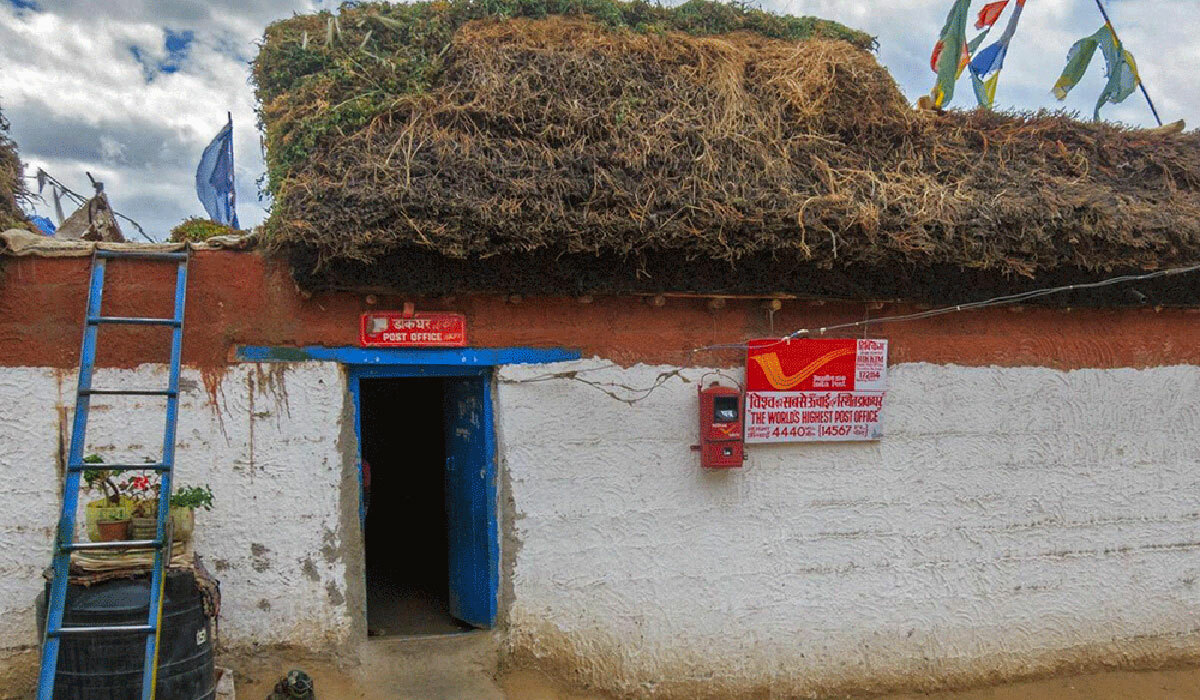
950,55
1120,68
987,64
990,13
937,54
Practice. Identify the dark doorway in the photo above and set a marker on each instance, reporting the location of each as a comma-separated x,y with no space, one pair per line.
404,462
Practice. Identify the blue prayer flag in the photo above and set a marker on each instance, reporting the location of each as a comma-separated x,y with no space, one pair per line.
987,64
214,178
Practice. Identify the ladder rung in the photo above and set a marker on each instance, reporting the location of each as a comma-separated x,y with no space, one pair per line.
139,254
130,392
135,321
121,467
58,594
109,629
120,544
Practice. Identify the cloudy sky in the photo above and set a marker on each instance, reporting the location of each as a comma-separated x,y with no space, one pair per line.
133,90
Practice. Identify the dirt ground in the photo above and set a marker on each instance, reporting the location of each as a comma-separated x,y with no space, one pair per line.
1177,684
454,672
1182,684
464,676
452,667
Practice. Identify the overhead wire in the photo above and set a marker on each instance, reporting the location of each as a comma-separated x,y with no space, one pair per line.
638,394
1003,300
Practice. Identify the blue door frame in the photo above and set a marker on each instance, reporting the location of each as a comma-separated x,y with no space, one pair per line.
471,447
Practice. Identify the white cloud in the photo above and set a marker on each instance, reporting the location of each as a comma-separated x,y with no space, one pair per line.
79,99
1161,35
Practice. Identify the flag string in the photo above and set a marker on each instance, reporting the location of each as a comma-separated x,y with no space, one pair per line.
80,200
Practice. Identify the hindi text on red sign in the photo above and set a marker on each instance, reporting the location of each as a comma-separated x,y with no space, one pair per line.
815,389
395,330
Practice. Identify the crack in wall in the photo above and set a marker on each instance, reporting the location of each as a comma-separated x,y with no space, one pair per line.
607,388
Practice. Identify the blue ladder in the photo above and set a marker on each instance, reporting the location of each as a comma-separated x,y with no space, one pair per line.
64,541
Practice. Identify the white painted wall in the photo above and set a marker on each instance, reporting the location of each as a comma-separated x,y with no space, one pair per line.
269,449
1007,514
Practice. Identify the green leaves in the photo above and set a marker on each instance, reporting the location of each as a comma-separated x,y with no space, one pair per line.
198,229
192,497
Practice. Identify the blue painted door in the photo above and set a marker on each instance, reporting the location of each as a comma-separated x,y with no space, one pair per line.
471,501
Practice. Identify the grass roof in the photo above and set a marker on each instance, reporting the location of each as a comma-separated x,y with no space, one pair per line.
12,186
705,147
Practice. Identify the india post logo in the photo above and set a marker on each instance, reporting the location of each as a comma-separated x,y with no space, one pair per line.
807,364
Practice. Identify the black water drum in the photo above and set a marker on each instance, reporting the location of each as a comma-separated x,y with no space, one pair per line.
109,667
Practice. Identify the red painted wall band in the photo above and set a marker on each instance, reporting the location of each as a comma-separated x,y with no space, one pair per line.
238,298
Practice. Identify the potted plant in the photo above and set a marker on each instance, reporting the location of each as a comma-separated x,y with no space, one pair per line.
112,527
143,492
111,507
184,502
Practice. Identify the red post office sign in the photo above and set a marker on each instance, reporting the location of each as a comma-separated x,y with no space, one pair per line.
393,329
815,389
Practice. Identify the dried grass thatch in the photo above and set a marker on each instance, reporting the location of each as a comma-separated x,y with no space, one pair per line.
563,139
12,184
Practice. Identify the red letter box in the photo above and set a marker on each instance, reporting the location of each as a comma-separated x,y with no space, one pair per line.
720,427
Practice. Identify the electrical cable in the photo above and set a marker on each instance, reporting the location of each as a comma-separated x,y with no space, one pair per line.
637,394
969,306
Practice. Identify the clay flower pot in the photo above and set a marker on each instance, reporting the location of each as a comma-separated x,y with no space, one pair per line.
100,510
113,530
